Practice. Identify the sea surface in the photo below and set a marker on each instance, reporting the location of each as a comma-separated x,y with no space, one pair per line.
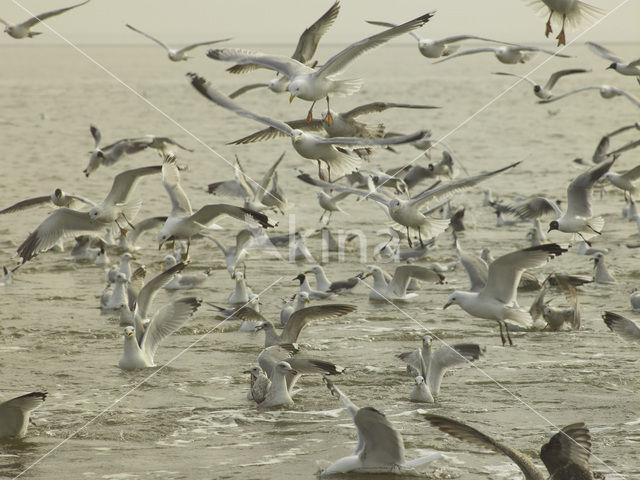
192,419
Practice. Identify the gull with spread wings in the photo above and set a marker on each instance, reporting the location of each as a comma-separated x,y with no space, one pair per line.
509,54
22,30
539,91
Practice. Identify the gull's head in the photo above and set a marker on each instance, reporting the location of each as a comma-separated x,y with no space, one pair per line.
163,237
296,135
127,256
427,340
300,277
394,205
284,368
121,278
304,297
95,159
452,300
255,371
419,380
169,261
373,270
58,193
553,225
315,269
537,88
614,65
261,326
94,214
597,258
238,276
129,332
297,87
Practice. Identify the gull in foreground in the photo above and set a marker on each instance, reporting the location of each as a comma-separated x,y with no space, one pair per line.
58,198
182,223
297,321
606,91
14,413
313,85
396,289
430,365
437,48
327,150
565,455
619,65
497,300
508,54
305,50
140,353
539,91
22,30
408,212
64,221
380,447
176,55
111,153
572,11
624,327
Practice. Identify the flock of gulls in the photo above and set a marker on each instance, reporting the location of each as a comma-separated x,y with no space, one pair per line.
416,199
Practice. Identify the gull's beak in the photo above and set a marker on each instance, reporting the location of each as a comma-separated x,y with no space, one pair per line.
293,372
258,328
447,305
367,274
160,246
246,371
307,300
307,272
291,97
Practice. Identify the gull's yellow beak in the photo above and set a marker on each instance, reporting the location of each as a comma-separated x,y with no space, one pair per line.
291,97
448,304
307,272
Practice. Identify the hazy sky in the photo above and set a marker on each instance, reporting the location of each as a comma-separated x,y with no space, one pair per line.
282,21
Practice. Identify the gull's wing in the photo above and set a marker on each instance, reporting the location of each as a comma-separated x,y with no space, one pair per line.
395,140
199,44
534,208
448,356
43,16
601,149
624,148
4,22
266,179
476,268
241,178
470,51
305,177
469,434
526,79
571,295
624,327
524,48
24,204
249,314
459,38
450,188
180,205
302,317
313,365
380,107
172,142
623,129
127,146
209,212
603,52
568,448
630,97
14,413
144,225
579,190
308,42
153,286
136,282
573,92
271,132
163,45
339,62
166,321
206,89
247,60
274,354
535,310
351,407
247,88
60,223
383,446
630,175
404,273
95,133
505,272
391,25
561,73
125,182
24,403
81,199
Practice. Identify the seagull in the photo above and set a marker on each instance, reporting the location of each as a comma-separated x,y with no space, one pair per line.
182,223
539,91
14,413
305,50
59,198
624,181
328,150
619,65
140,353
111,153
324,285
634,298
241,293
430,364
380,447
555,318
566,454
163,144
606,91
497,300
624,327
329,204
407,212
301,299
571,10
297,321
7,275
306,288
173,54
437,48
396,289
128,242
313,85
70,222
601,274
22,30
235,254
509,54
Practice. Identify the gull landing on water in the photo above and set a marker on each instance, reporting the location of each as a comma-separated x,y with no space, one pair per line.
22,30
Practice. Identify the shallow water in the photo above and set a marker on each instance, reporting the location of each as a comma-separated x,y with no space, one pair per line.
192,419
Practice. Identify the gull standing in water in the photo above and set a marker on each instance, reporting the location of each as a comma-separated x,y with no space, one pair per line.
305,50
509,54
176,55
328,150
572,11
566,454
497,300
14,413
544,93
380,447
396,288
22,30
313,85
619,65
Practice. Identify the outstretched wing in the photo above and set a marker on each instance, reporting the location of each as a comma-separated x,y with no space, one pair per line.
381,107
603,52
271,132
302,317
154,39
180,205
561,73
199,44
382,444
308,42
43,16
124,183
579,190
